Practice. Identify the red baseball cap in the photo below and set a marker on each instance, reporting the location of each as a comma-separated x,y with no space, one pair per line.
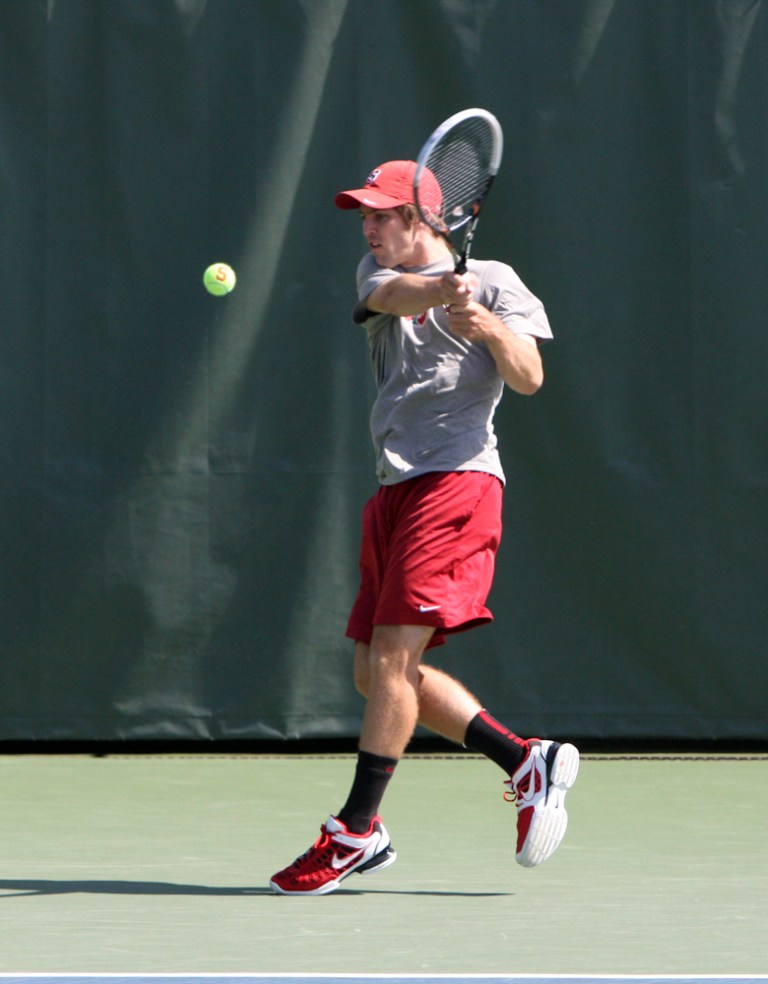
390,185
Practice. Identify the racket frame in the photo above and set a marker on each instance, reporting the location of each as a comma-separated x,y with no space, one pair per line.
470,219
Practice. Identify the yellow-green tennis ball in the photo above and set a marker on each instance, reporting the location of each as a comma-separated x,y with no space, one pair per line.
219,279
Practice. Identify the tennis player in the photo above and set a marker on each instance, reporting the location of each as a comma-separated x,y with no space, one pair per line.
443,346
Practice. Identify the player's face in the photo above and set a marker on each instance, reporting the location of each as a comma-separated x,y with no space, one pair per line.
391,240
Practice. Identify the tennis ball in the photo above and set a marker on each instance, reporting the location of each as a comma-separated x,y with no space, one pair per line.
219,279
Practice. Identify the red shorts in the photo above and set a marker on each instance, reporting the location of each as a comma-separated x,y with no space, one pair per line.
428,553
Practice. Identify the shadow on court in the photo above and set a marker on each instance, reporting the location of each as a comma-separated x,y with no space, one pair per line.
36,886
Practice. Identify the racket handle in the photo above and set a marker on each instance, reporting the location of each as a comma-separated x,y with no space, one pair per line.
461,261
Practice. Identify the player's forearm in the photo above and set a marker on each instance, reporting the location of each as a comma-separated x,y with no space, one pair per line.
518,361
517,357
406,295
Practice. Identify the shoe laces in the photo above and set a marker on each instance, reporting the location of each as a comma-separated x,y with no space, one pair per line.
322,846
509,795
512,794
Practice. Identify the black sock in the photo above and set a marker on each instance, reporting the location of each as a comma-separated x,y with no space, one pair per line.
487,736
372,774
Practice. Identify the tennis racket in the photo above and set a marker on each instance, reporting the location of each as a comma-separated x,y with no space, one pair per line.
454,173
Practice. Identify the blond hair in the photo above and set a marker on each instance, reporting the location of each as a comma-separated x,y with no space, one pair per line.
410,215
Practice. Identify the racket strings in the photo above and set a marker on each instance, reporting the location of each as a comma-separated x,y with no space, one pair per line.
461,162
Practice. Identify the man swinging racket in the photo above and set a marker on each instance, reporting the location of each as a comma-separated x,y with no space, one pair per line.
443,345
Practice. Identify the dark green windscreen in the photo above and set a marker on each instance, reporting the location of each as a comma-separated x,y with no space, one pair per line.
181,477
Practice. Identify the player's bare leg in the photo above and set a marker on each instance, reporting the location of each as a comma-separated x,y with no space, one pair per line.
540,772
356,840
445,706
392,683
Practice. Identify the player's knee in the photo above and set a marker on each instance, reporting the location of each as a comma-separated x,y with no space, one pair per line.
390,671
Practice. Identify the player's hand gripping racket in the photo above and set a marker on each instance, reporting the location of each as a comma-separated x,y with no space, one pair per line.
463,155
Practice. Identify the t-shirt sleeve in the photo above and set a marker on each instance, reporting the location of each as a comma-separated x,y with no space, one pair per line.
369,276
504,293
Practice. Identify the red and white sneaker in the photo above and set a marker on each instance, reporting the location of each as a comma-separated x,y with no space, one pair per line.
538,787
335,854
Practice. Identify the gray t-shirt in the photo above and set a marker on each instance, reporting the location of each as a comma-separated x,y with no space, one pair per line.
437,393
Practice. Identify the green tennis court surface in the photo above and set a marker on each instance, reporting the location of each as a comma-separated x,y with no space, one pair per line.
160,864
375,979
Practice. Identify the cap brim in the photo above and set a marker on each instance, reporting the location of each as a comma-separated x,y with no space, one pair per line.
366,196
